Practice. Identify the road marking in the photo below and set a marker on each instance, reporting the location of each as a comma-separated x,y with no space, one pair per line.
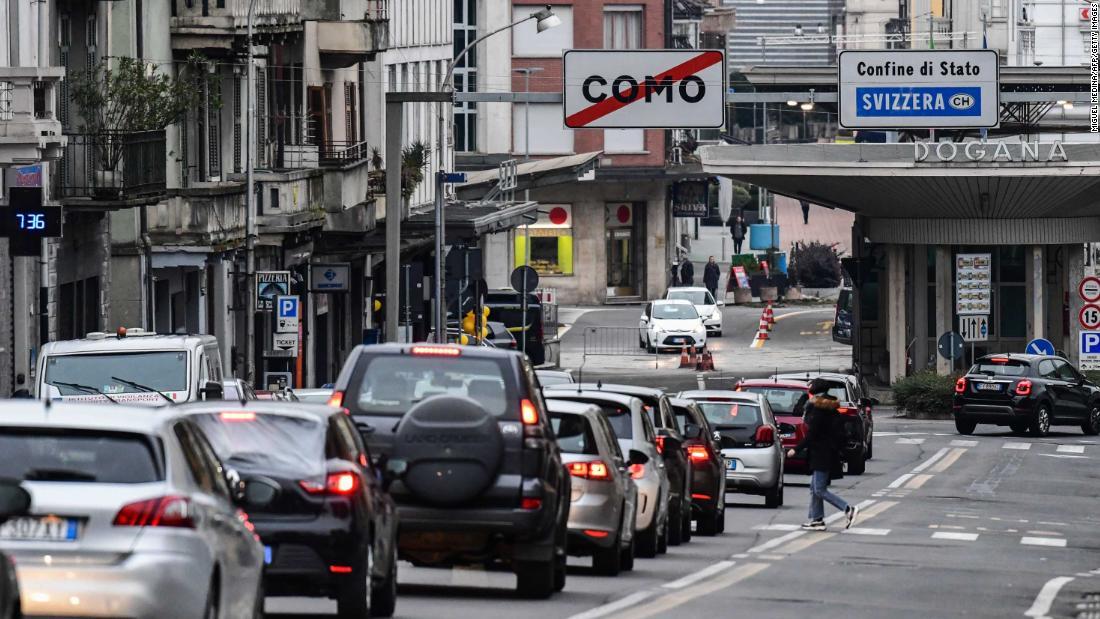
740,555
671,600
870,511
954,527
948,460
957,537
1020,446
757,343
1043,533
901,480
706,572
776,527
865,531
932,460
1071,449
909,441
1053,524
917,482
778,541
960,443
613,607
1041,606
1055,542
700,382
799,545
1065,456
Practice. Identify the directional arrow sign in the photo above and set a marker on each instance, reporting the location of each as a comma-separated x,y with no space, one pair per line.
974,328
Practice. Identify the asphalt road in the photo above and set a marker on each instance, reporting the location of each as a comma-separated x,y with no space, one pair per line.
990,525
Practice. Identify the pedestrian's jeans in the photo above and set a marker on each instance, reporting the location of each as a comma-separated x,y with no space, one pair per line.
737,245
819,493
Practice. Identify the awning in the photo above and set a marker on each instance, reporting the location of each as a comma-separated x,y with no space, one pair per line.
532,174
466,220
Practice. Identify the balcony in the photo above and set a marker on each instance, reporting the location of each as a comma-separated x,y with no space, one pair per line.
29,128
200,25
113,169
332,153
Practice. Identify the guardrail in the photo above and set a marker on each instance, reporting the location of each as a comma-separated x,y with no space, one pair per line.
614,341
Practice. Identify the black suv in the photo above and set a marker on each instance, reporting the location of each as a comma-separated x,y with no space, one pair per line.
1028,393
670,441
708,474
332,530
479,475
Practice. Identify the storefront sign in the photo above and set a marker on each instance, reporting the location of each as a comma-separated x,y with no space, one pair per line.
287,342
271,284
973,290
29,176
890,89
689,199
989,152
329,277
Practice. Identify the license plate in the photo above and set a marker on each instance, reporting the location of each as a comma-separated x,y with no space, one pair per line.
731,465
787,435
41,528
989,386
267,555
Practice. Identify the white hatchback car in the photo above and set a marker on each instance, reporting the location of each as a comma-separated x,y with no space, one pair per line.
671,323
710,310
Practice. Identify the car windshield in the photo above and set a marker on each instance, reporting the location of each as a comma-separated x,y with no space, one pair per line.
695,297
273,444
163,371
392,384
999,368
783,400
37,454
574,434
674,311
737,414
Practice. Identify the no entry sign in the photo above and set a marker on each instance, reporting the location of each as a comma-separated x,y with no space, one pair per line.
659,89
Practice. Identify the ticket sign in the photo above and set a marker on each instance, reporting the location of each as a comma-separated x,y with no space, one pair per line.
893,89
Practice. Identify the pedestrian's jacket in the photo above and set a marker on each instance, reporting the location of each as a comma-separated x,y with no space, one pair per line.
687,273
737,228
711,275
819,443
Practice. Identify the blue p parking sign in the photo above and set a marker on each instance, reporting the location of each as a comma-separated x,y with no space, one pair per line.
287,310
1089,350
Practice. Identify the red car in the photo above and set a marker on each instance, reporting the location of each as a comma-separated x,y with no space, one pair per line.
786,397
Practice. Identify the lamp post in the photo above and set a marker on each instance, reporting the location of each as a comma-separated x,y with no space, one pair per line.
250,213
545,19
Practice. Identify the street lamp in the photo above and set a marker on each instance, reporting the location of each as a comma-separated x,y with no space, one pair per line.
544,20
250,213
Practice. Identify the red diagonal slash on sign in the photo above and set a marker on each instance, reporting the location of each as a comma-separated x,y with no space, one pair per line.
632,94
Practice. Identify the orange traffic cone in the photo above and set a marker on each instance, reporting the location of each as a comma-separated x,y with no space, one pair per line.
692,357
770,315
708,361
684,361
762,333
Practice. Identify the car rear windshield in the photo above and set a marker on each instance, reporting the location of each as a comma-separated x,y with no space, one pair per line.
783,400
392,384
258,442
675,311
574,434
36,454
619,417
109,372
1000,368
737,414
695,297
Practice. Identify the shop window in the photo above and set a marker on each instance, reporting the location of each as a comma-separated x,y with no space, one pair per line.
623,27
551,239
1012,263
1013,317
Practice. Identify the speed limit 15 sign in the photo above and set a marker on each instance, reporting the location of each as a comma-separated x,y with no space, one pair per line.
1089,317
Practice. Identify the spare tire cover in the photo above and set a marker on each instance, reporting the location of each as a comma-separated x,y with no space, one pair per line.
452,447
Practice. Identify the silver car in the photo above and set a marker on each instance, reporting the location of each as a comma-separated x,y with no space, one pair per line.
132,515
603,498
634,431
746,431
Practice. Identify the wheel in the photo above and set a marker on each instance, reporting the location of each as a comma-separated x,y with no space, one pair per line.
774,497
1040,426
662,539
965,426
718,333
708,523
627,561
1091,426
212,599
647,541
857,464
608,561
1018,428
649,347
720,524
685,526
353,601
675,528
870,449
641,342
383,595
560,568
535,579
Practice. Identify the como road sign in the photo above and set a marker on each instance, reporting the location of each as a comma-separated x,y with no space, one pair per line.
1089,317
889,89
650,88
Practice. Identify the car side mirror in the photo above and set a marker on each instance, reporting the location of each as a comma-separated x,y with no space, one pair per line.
259,492
692,431
644,318
637,457
212,390
14,500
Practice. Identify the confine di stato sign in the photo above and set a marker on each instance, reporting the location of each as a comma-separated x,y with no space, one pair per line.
918,89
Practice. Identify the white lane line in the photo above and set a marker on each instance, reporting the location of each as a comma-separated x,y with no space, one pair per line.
1041,606
909,441
614,607
866,531
1055,542
958,537
932,460
958,443
1071,449
706,572
778,541
776,527
1020,446
901,480
1065,456
1051,523
699,382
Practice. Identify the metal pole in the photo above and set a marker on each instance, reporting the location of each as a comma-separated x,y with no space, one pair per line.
250,213
440,232
395,122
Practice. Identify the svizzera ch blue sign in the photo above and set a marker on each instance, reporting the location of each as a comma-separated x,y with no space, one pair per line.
898,89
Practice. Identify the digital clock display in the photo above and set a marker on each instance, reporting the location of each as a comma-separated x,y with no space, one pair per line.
39,222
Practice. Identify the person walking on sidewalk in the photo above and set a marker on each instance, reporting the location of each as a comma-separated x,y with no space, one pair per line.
711,275
687,272
737,231
823,455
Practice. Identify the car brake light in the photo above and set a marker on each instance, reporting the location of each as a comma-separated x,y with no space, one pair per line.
1023,387
595,533
637,471
528,413
436,351
336,400
530,503
999,360
700,496
660,442
237,416
846,410
697,453
166,511
960,385
595,470
765,436
340,569
339,484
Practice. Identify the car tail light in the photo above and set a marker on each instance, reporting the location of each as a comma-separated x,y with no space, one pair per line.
637,471
436,351
1023,387
338,484
960,385
530,503
700,496
166,511
999,360
595,470
340,569
596,534
846,410
660,442
528,413
336,399
237,416
765,436
697,453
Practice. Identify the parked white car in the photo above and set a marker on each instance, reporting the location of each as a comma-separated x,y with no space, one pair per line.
710,310
671,323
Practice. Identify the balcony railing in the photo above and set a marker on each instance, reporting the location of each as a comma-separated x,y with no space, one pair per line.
112,166
266,11
310,155
377,10
340,153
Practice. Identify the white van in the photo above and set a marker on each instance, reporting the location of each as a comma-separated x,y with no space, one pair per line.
132,366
